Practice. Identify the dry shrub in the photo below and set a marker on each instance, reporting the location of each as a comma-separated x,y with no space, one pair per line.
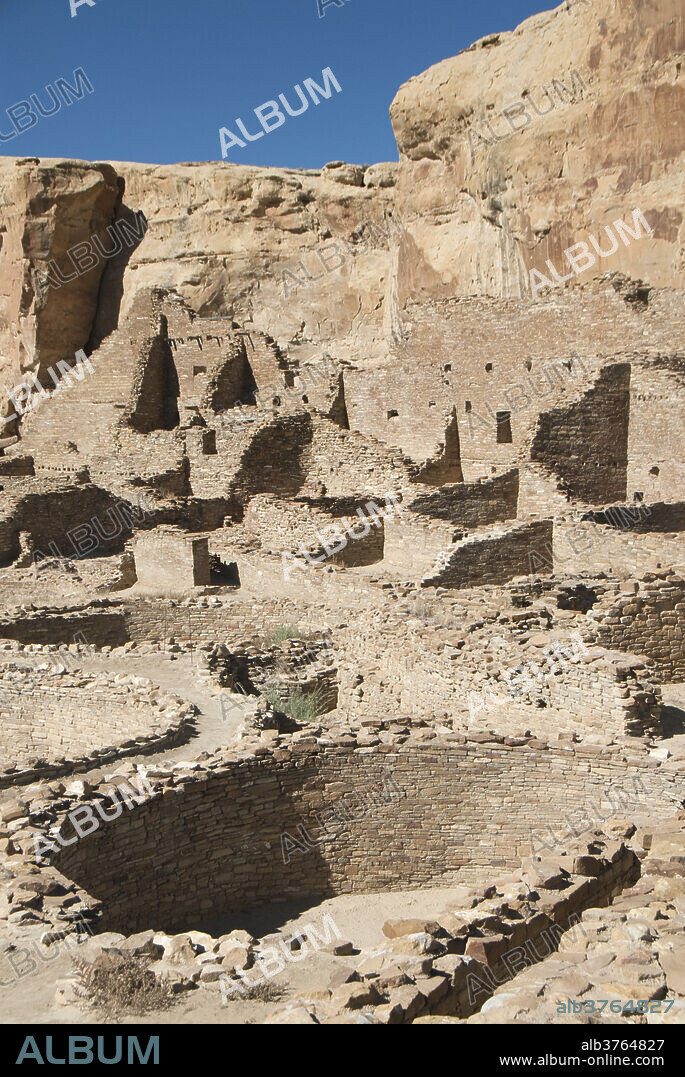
281,633
264,992
117,985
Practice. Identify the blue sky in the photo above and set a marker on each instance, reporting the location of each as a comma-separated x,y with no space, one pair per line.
167,74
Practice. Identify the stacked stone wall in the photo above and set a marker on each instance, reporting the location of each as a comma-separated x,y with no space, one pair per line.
215,846
647,619
58,723
472,504
491,558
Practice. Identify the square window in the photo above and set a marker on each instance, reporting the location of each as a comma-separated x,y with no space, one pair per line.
504,428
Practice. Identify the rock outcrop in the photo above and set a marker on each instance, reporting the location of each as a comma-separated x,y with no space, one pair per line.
531,141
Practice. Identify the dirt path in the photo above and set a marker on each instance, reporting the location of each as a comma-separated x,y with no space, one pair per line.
220,711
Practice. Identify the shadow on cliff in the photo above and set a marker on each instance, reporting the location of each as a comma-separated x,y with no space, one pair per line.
125,235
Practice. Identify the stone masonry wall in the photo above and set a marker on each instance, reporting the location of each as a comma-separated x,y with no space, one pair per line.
472,504
204,620
582,545
56,723
656,464
50,512
491,558
169,560
647,619
389,669
586,443
216,844
484,356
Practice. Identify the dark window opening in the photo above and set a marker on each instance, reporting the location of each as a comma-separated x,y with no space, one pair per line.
199,370
305,399
529,365
579,597
209,443
488,367
277,401
392,414
654,470
504,428
222,574
467,405
447,366
638,496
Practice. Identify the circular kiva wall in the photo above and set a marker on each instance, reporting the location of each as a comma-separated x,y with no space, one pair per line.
53,722
244,833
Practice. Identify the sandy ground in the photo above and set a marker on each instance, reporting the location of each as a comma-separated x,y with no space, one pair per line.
357,918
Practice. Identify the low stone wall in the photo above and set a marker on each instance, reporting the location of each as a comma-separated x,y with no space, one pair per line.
452,962
582,545
263,578
493,677
307,666
414,544
75,520
472,504
492,558
631,949
113,622
647,618
16,465
280,525
54,723
102,624
307,818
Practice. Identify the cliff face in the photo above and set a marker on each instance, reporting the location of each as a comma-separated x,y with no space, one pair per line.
531,141
302,255
521,147
48,209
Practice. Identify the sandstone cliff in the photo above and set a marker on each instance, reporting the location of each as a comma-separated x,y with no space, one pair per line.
515,150
529,141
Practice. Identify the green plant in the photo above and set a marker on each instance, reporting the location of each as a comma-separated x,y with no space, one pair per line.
116,985
281,633
299,705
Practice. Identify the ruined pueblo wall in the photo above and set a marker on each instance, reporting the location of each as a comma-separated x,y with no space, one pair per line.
219,839
647,619
491,557
586,443
147,620
59,519
495,368
656,438
60,723
586,545
590,690
170,561
472,504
